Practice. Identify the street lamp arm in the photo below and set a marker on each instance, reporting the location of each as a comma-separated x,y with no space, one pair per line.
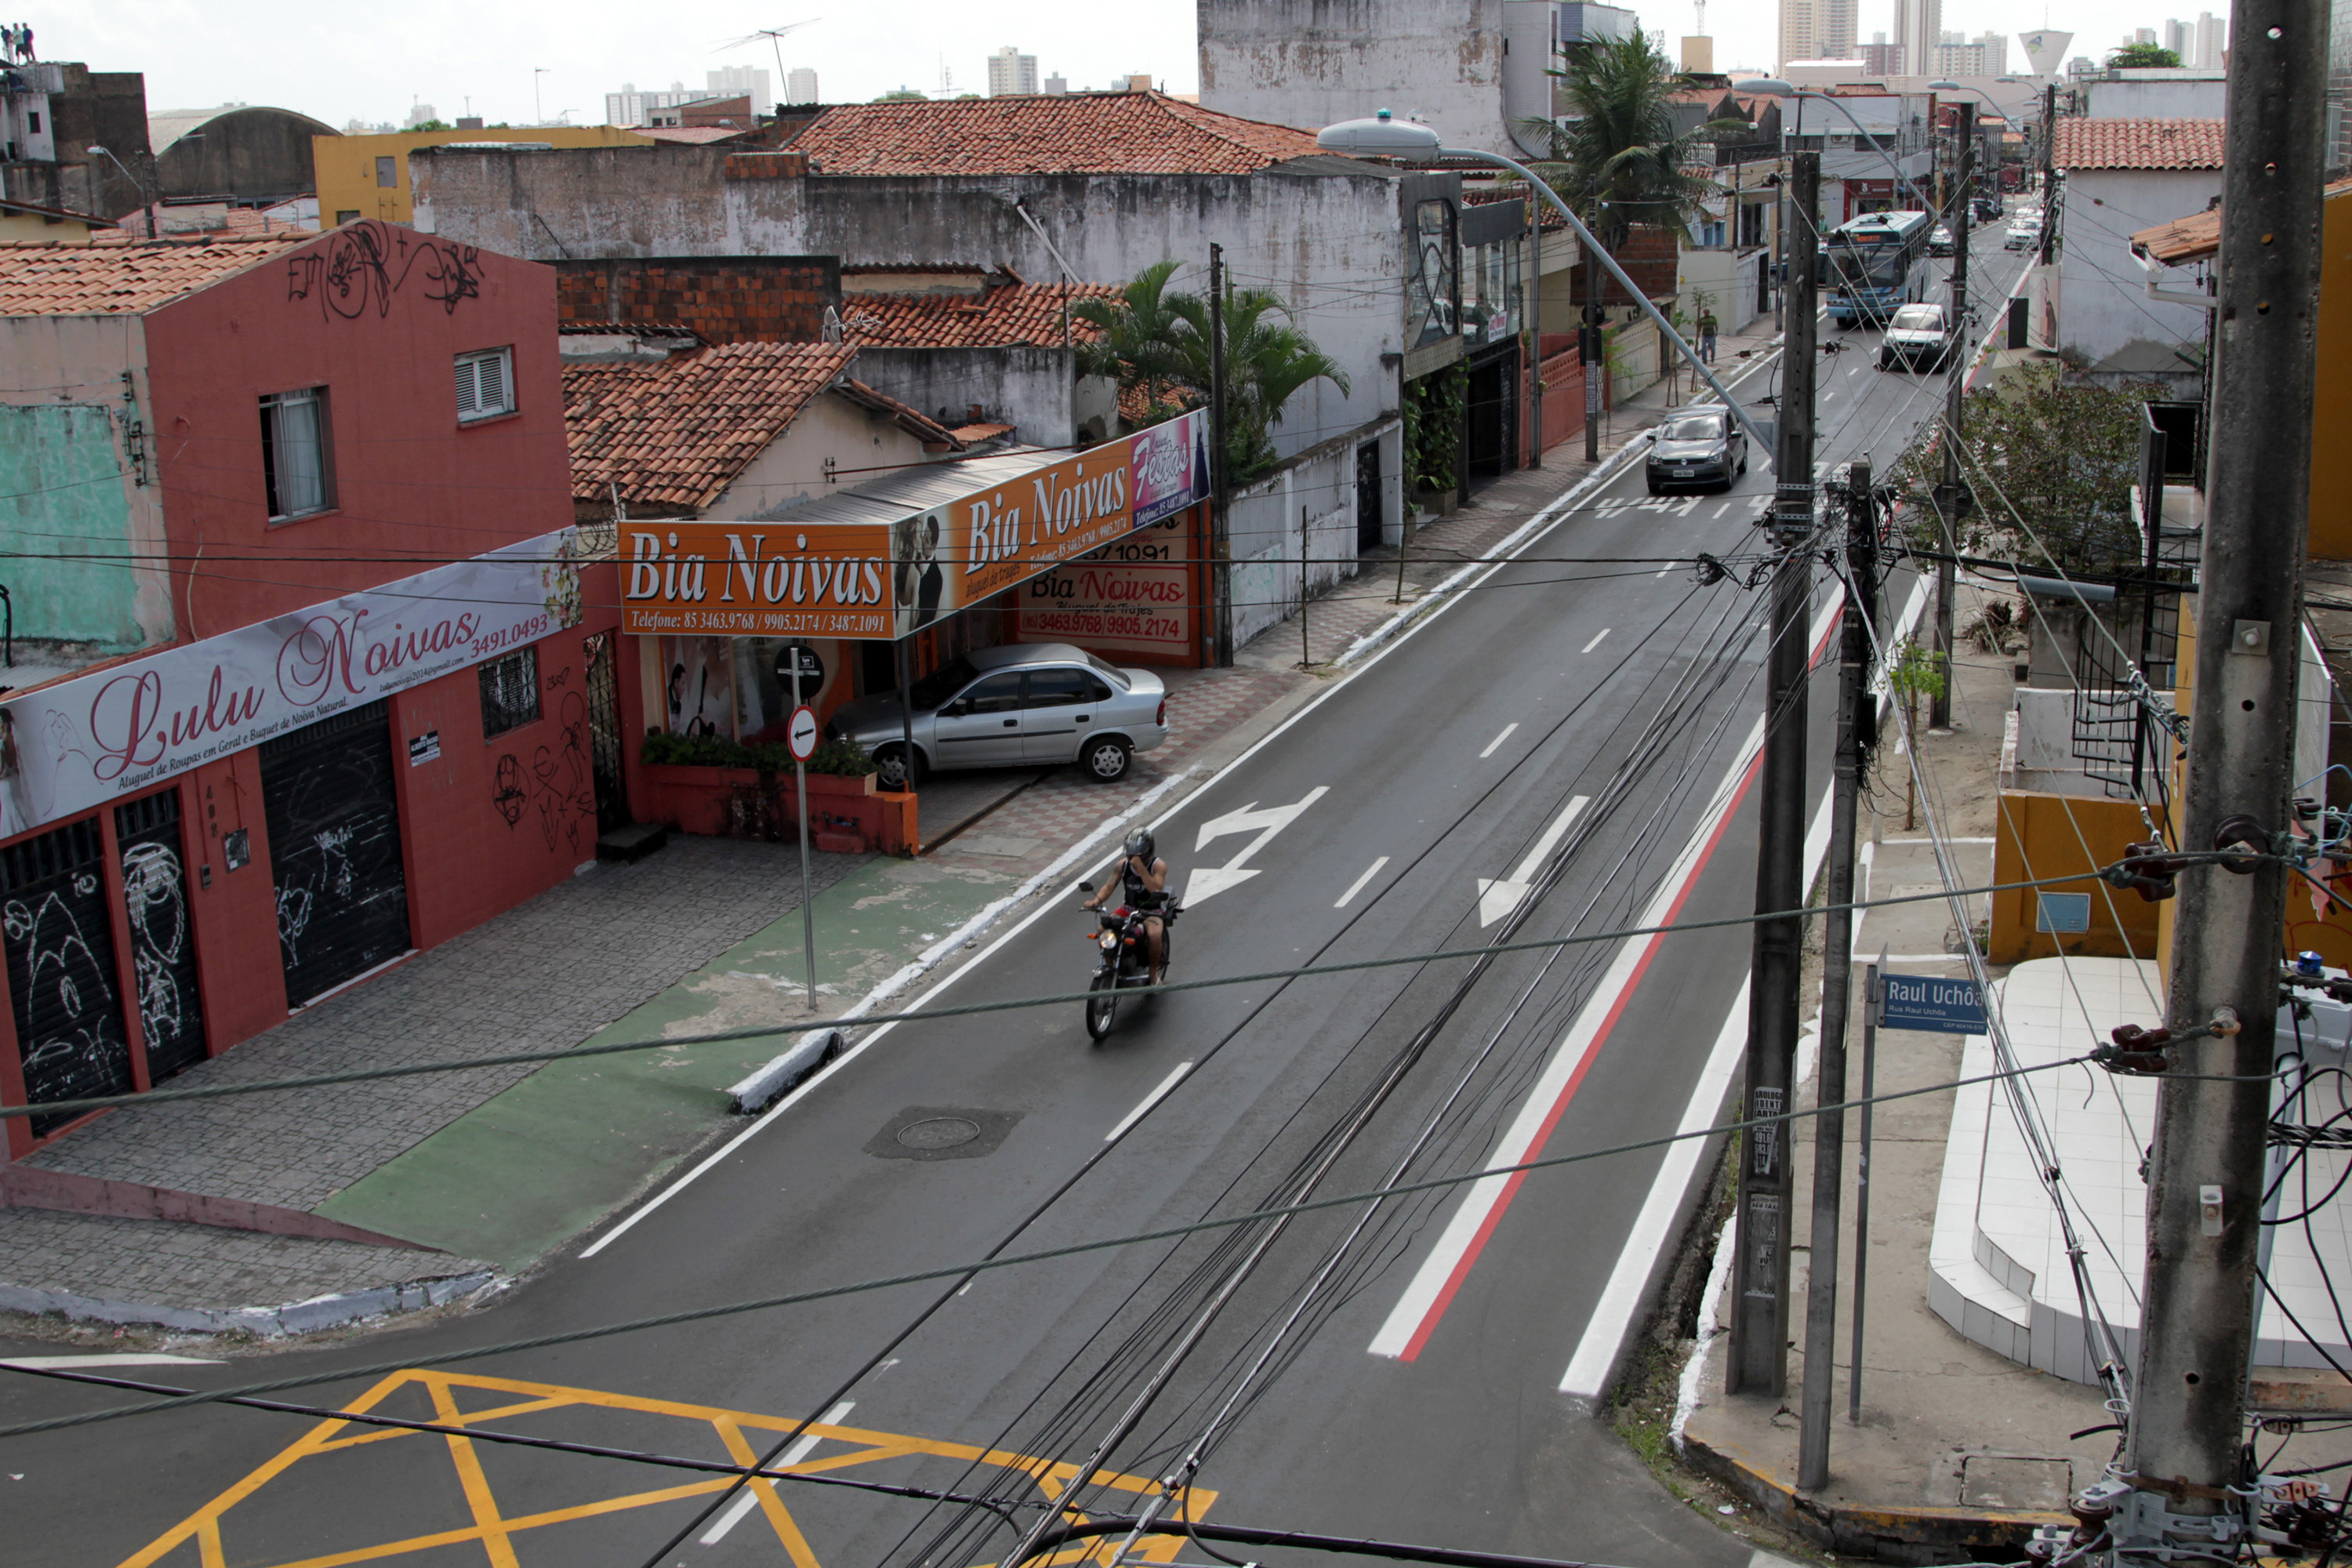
1593,247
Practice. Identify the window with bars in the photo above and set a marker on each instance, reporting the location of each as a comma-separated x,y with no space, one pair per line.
484,384
509,693
297,454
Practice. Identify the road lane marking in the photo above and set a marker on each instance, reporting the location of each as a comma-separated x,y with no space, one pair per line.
1373,869
1672,565
1596,641
1724,508
1208,881
801,1449
1148,1100
1498,899
1433,1286
1490,747
1612,1318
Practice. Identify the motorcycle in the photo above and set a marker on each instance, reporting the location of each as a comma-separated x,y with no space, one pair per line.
1125,957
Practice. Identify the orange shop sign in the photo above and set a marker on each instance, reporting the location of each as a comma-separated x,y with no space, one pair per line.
757,579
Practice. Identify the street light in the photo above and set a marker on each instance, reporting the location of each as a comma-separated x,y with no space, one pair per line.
1385,136
137,184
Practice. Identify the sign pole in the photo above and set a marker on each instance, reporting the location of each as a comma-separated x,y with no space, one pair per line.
803,740
1870,1004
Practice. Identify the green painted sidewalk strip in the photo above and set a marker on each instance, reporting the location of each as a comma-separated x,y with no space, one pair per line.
523,1172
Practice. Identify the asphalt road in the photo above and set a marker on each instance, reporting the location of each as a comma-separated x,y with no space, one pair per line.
1400,1380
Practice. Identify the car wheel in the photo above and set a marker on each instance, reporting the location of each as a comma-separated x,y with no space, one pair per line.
1886,360
890,768
1654,487
1105,759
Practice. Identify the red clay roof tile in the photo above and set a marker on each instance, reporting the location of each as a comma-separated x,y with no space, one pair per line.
1008,314
1073,133
121,279
2138,144
675,435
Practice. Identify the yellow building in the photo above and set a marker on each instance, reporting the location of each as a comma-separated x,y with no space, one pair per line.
367,176
24,224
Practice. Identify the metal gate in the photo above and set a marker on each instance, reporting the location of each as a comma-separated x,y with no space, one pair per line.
60,946
604,736
162,941
1368,518
334,850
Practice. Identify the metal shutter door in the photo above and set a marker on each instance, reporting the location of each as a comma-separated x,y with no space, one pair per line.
334,850
60,946
163,939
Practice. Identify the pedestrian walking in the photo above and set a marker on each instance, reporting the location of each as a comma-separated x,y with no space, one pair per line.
1706,335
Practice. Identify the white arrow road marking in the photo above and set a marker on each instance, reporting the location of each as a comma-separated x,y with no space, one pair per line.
1208,881
1497,900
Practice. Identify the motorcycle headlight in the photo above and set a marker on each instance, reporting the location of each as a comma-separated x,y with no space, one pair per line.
1109,941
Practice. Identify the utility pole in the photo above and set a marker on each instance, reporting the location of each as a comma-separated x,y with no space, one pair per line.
2048,174
1940,705
1221,533
2205,1179
1758,1358
1532,282
1854,732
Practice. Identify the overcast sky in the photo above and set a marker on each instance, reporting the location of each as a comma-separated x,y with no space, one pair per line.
344,62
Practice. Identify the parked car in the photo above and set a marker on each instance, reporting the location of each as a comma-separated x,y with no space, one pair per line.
1701,445
1027,705
1916,336
1940,242
1988,209
2023,234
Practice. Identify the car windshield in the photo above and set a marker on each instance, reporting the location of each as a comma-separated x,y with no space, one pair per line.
1108,671
1917,318
944,682
1693,428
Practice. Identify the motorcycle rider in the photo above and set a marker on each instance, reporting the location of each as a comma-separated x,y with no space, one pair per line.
1143,885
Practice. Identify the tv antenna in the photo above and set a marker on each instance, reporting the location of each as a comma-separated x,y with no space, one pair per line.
775,36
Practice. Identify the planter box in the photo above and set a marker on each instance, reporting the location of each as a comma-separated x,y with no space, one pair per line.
847,815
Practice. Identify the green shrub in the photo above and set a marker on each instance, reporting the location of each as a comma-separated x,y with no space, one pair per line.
840,756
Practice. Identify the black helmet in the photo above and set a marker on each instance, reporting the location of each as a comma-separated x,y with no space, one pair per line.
1139,845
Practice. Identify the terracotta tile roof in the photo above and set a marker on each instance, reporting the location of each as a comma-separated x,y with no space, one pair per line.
122,279
1073,133
2138,144
1007,314
690,135
2198,235
676,435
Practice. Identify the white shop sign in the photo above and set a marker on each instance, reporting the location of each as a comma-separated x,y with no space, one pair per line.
120,730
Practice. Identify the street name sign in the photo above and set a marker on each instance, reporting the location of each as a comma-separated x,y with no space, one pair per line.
1933,1002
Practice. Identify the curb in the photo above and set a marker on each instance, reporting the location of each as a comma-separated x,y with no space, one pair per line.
1918,1535
263,1322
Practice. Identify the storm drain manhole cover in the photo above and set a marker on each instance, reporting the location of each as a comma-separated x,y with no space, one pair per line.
941,1132
938,1133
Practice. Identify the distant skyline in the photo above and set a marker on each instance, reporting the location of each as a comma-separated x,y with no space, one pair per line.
339,65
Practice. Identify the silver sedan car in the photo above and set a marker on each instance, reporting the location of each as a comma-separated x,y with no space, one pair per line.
1026,705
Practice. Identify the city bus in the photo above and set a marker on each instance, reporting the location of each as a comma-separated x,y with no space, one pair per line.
1874,263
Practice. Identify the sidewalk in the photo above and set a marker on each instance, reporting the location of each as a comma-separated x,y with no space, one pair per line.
702,938
1351,618
1961,1452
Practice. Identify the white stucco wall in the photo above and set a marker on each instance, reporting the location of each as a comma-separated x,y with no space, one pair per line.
2187,95
792,468
1312,63
2102,303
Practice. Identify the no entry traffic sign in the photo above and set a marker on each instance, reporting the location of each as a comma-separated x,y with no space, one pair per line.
802,737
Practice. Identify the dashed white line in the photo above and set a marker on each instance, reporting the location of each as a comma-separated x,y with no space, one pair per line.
1664,570
1373,869
1596,641
750,1499
1724,508
1490,747
1154,1098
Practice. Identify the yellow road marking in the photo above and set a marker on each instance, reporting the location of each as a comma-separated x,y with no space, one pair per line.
496,1529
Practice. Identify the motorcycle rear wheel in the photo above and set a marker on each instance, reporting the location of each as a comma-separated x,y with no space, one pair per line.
1102,1007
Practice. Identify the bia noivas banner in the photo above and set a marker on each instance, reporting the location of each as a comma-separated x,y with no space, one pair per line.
756,579
120,730
1133,596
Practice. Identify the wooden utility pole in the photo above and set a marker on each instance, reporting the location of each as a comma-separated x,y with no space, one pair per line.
2206,1172
1940,701
1221,533
1758,1356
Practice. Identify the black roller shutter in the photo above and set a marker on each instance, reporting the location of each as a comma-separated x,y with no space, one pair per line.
163,939
60,947
334,850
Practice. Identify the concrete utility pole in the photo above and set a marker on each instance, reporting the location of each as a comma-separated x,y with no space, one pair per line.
1758,1357
2048,174
1940,705
1532,282
1855,729
2205,1180
1220,531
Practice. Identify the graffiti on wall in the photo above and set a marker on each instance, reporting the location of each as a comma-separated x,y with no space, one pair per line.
158,915
363,266
556,783
73,1041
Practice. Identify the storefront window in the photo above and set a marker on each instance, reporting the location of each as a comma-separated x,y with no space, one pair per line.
1432,287
698,686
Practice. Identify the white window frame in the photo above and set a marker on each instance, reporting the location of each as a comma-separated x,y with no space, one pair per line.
473,406
297,453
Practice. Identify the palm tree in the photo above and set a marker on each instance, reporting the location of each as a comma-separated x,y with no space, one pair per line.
1139,339
1619,162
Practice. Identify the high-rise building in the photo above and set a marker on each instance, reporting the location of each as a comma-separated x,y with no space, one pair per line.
1918,35
2212,37
745,81
1880,58
2141,36
1056,85
2180,38
800,85
1959,55
1011,73
630,107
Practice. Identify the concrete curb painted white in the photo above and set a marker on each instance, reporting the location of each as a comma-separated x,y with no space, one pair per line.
262,1322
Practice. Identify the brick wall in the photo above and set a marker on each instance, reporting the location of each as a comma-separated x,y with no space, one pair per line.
727,299
1650,256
